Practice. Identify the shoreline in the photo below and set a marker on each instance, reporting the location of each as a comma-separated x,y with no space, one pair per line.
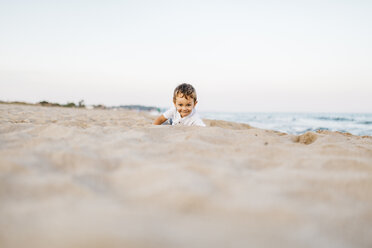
212,122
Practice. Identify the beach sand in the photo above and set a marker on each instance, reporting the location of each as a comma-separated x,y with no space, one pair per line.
104,178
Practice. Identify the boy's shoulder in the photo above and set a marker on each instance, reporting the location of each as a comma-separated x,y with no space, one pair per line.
169,112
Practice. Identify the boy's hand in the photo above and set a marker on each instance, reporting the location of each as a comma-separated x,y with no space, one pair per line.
160,120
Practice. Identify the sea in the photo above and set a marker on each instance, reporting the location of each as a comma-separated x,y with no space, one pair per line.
299,123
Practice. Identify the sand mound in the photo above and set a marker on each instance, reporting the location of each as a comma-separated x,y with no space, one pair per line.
103,178
306,138
227,124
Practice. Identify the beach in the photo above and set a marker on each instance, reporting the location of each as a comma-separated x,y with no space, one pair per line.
73,177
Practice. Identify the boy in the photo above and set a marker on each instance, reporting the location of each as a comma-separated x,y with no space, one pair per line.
183,112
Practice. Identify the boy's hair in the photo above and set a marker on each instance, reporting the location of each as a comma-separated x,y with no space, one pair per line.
186,90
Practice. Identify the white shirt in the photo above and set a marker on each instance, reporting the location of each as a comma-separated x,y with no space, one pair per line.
192,119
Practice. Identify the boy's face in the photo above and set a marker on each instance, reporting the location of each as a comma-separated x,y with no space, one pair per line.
184,106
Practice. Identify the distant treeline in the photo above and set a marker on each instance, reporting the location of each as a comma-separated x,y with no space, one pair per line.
16,102
67,105
81,104
49,104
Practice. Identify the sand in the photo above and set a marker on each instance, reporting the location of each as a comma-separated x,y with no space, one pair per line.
105,178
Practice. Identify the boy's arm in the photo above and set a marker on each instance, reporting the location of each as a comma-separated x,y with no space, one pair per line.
160,120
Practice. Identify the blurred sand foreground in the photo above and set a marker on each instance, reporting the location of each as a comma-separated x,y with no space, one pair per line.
104,178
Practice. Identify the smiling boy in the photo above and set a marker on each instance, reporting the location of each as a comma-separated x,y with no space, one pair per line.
183,112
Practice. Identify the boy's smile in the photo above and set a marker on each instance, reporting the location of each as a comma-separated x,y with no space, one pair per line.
184,106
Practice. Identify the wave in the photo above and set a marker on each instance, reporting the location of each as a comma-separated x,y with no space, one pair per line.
334,118
311,129
365,122
299,123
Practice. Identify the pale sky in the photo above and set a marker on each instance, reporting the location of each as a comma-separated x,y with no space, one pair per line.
247,56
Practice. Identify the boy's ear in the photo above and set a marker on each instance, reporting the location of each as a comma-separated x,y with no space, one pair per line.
196,102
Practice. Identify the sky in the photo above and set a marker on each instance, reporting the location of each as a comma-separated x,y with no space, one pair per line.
240,55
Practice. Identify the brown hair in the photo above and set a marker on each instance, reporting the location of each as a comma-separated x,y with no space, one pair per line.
185,90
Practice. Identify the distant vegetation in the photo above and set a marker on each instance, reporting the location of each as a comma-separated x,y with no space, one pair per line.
49,104
16,102
81,104
68,105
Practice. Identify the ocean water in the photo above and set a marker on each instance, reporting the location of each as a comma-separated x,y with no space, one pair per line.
298,123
